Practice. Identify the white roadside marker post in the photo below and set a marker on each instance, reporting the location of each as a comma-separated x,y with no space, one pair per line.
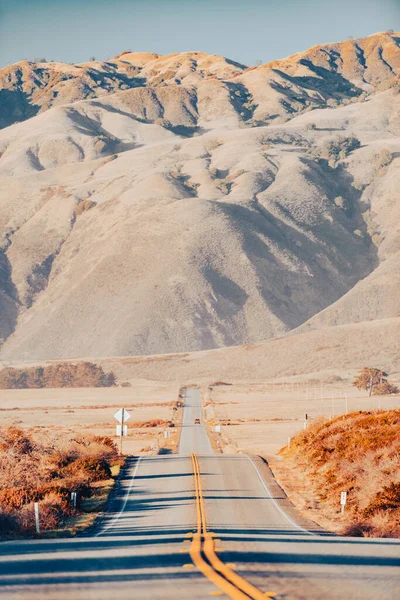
343,500
37,517
73,499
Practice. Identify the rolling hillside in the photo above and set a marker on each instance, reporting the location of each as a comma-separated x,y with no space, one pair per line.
151,205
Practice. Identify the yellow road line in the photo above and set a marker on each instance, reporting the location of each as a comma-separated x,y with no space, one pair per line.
215,570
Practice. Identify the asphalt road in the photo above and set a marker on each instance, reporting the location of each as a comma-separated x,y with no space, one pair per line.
140,550
194,438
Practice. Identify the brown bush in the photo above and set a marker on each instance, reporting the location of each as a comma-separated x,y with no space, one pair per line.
104,440
386,499
33,469
90,468
15,438
384,389
122,53
358,529
358,453
53,510
83,206
17,497
83,374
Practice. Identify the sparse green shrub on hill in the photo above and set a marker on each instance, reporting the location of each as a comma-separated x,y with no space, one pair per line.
342,203
338,147
163,122
58,375
358,185
383,159
122,53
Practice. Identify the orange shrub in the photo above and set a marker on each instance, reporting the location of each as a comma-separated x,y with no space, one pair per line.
90,468
83,206
358,453
35,469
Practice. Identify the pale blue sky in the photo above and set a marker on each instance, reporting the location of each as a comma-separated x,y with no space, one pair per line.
245,31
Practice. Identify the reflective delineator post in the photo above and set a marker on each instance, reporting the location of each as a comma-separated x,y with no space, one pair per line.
343,500
37,517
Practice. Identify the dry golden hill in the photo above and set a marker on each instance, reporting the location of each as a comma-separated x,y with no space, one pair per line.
152,205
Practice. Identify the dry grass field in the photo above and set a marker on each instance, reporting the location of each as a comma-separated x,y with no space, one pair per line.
259,418
91,410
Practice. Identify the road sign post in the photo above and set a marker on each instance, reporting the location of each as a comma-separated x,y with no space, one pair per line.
122,416
343,500
37,517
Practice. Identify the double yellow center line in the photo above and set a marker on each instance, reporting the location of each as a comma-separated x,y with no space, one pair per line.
203,555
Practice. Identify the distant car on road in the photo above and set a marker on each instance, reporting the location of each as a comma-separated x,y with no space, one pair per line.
197,421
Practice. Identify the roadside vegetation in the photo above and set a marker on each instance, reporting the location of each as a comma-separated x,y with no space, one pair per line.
358,453
58,375
46,469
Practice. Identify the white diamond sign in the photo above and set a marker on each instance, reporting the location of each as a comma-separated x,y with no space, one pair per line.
122,412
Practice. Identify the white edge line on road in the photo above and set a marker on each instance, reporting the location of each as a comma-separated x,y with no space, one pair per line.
124,503
276,504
